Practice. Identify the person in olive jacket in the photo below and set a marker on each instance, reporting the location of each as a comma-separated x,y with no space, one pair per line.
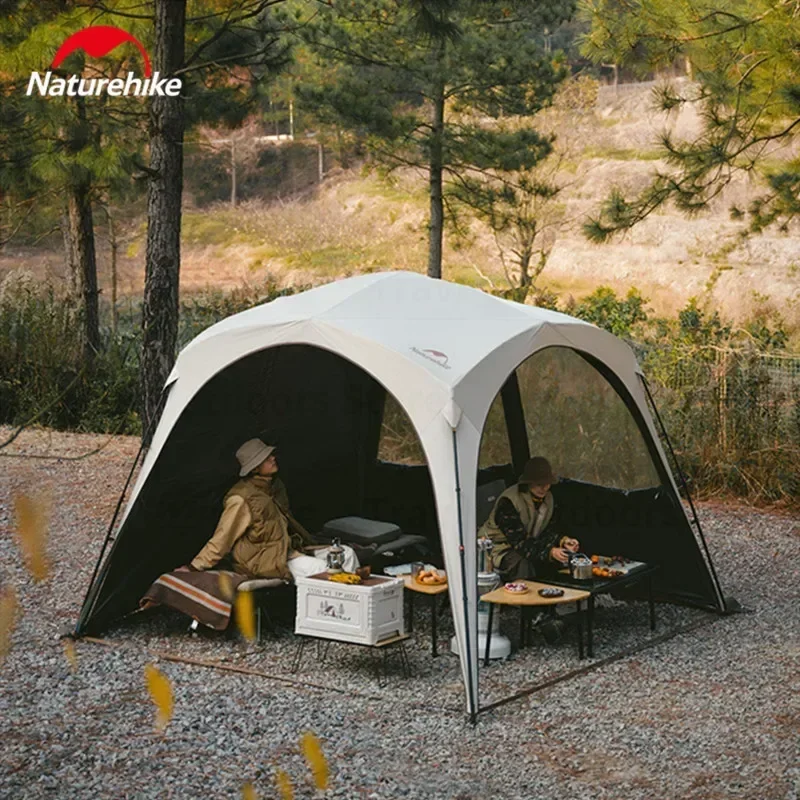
521,526
257,530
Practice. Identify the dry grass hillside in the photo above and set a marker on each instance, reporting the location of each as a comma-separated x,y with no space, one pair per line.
356,222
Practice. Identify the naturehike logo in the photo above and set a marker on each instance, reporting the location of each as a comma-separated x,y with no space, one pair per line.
437,356
98,41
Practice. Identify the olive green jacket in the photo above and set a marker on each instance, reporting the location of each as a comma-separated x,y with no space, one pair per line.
534,520
256,530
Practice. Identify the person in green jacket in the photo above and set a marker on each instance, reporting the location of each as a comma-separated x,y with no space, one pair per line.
525,536
257,531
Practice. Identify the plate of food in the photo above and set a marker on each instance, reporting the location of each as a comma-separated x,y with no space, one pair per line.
551,591
607,572
516,587
610,561
431,577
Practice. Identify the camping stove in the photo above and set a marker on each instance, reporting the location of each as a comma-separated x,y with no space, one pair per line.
488,579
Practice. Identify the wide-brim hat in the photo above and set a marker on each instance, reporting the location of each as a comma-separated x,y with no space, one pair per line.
251,454
537,472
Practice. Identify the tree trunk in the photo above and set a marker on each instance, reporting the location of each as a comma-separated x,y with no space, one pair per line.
165,187
524,265
436,227
233,172
82,262
112,238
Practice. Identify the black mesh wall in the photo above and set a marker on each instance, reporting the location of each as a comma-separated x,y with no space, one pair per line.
321,411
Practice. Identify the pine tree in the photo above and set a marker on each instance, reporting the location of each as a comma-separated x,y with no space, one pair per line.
64,150
423,82
742,57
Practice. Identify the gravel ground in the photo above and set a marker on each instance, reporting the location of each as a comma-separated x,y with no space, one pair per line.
710,712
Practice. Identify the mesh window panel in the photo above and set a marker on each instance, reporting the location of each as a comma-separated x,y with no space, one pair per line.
399,443
495,448
576,419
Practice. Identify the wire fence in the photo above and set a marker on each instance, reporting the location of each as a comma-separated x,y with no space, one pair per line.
733,414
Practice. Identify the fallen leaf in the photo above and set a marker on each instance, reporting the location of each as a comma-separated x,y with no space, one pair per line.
33,517
245,614
249,792
312,750
160,690
8,614
225,585
70,653
284,783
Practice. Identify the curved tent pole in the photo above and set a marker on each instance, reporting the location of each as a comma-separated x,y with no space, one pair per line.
471,690
85,611
685,487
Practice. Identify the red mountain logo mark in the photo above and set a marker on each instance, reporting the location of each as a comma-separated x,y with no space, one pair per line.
99,41
437,356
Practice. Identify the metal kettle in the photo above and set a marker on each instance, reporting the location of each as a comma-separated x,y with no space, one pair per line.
580,566
335,557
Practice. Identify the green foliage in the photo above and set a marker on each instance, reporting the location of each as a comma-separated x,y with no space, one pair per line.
604,309
744,61
420,81
43,378
520,202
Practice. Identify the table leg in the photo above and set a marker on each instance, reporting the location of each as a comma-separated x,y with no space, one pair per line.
522,627
488,634
404,661
378,670
579,622
298,654
652,602
411,612
322,650
589,622
433,626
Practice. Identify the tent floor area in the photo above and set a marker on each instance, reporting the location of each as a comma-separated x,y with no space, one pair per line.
707,713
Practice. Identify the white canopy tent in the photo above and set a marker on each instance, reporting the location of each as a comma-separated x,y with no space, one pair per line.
443,351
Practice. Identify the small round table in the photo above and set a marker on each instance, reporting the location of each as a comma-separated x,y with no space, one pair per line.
432,590
529,599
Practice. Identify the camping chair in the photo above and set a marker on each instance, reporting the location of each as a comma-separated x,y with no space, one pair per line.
485,498
260,587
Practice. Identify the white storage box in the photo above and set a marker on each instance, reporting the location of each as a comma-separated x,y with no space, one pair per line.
363,613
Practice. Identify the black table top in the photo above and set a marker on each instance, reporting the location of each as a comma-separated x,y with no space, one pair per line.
599,585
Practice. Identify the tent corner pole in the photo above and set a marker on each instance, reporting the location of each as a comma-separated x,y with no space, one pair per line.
472,693
91,590
684,484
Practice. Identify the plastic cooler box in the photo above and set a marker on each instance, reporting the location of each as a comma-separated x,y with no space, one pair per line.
363,613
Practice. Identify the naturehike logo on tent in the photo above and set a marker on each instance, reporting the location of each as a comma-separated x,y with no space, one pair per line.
437,356
98,41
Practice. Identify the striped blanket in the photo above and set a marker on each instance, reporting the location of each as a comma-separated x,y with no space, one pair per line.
205,596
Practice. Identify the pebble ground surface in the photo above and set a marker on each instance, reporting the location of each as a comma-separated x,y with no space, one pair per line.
708,711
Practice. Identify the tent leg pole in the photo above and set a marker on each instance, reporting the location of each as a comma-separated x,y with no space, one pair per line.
471,690
89,591
685,486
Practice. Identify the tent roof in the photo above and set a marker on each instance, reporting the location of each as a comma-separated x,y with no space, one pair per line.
443,327
443,342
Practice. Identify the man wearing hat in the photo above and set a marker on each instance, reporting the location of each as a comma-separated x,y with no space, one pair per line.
257,531
520,526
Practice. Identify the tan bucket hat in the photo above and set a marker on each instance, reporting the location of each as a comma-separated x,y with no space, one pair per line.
251,454
537,472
